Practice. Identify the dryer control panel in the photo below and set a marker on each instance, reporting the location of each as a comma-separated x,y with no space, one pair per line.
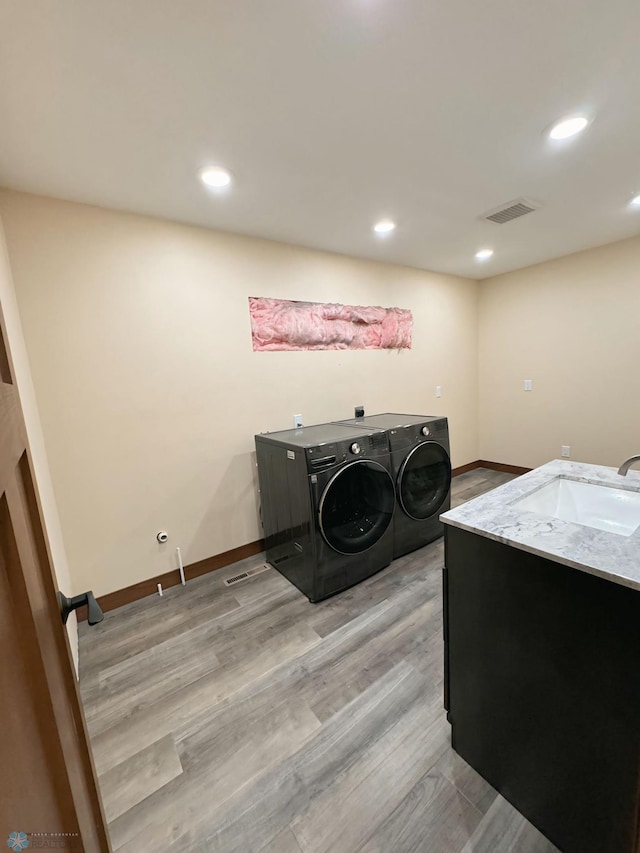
367,446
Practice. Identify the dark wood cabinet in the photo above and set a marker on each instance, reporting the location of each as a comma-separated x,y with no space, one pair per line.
542,672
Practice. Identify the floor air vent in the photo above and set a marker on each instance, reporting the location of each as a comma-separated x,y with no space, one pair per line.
234,579
511,210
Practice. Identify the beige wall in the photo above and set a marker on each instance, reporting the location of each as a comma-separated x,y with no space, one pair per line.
572,326
150,394
24,384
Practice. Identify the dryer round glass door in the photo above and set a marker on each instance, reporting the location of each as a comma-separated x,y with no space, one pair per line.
356,507
424,480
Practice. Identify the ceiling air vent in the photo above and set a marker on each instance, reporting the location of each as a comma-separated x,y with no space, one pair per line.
510,210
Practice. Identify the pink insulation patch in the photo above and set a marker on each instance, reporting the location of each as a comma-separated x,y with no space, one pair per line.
280,324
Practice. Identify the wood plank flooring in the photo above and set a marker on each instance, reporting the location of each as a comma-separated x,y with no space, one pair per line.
247,719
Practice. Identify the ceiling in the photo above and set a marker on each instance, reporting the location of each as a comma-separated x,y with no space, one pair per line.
332,114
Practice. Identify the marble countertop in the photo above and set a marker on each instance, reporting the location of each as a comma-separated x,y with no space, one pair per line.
607,555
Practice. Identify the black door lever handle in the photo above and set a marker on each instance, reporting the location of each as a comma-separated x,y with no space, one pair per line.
68,604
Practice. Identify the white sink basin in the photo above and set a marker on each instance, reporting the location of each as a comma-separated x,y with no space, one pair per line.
603,507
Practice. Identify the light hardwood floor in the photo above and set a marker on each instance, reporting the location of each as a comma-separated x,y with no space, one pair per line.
247,719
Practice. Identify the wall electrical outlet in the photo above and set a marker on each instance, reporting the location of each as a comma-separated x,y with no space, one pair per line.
566,451
297,421
528,384
438,390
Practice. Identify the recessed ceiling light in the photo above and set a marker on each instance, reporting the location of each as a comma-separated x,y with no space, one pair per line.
568,127
635,201
216,177
484,254
385,226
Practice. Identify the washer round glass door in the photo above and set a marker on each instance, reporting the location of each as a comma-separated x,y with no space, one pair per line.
424,480
356,506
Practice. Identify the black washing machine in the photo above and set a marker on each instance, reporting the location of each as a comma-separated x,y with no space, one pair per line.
327,499
419,446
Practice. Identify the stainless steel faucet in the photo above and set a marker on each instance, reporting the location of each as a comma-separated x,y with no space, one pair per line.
627,464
